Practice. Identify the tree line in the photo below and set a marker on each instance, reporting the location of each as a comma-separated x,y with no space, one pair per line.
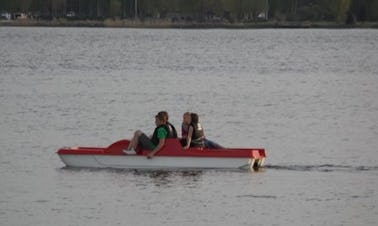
348,11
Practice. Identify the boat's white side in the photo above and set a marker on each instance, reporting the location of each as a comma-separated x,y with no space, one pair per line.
157,162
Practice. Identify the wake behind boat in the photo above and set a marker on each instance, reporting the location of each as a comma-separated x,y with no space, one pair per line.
171,156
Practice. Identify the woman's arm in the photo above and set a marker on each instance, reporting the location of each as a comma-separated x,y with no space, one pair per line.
189,137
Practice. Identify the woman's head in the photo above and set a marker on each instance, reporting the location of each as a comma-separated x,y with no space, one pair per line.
186,118
194,117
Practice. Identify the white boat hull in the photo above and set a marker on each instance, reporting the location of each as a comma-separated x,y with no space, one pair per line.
157,162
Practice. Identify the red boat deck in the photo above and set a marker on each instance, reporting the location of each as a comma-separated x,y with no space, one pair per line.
172,147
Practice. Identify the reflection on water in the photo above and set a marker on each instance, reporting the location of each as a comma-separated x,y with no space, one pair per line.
168,178
160,178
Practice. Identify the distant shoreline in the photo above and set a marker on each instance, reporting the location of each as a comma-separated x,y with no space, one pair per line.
129,23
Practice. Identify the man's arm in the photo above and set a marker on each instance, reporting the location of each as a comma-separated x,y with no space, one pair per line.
160,145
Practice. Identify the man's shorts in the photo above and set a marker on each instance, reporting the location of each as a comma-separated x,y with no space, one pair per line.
145,142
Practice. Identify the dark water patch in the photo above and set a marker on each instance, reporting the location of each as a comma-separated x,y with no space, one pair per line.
41,201
323,168
360,196
319,199
257,196
367,168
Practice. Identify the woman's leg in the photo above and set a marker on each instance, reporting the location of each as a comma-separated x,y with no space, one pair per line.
212,144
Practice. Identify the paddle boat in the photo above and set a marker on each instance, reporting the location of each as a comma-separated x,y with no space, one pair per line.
171,156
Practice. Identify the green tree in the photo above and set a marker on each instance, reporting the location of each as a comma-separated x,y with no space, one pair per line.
339,9
252,8
365,10
115,8
58,8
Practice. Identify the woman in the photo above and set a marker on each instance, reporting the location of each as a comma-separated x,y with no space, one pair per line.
186,120
185,127
153,143
196,135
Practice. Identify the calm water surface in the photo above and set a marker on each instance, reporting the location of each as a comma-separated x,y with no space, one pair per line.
308,96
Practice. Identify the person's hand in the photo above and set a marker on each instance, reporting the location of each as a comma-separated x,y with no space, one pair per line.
186,147
149,156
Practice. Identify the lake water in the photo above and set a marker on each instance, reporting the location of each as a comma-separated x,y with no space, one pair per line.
310,97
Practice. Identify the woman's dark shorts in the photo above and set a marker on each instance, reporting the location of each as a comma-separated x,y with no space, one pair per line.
145,142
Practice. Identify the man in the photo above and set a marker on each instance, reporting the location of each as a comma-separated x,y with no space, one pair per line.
172,130
156,141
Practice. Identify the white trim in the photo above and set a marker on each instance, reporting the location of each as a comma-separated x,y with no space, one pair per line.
157,162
